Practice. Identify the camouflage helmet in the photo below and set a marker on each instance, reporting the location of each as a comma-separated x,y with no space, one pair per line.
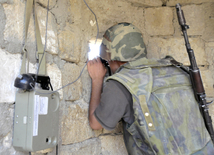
124,42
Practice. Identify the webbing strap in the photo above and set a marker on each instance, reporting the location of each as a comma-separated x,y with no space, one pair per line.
40,48
23,66
146,112
28,11
42,69
177,64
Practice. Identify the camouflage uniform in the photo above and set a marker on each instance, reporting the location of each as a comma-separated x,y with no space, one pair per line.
167,117
125,43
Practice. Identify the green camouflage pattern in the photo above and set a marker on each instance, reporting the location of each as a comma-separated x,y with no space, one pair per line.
124,42
177,127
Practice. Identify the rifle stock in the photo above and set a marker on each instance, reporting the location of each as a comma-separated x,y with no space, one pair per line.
195,75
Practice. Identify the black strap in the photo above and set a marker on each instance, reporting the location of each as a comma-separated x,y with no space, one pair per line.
177,64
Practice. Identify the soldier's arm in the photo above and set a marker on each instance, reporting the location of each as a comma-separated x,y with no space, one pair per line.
97,72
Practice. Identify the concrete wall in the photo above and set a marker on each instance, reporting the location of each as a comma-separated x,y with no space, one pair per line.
70,27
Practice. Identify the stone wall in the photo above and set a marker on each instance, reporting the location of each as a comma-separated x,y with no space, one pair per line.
70,27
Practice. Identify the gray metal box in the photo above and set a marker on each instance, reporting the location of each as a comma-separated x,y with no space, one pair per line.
36,120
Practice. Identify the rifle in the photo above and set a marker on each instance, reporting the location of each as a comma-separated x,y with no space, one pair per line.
195,75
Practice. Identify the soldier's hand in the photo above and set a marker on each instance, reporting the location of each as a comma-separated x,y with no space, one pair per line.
96,69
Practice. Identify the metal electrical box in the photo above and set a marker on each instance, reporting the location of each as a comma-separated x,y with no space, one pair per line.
36,120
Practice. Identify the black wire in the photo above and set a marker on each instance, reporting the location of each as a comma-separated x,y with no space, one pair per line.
57,149
51,86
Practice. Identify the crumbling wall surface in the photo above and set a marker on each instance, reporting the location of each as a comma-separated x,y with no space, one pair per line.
70,27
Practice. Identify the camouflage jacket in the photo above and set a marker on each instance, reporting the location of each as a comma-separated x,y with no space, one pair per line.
167,117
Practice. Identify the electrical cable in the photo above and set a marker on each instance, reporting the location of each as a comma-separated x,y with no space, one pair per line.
57,149
43,56
64,85
95,19
84,65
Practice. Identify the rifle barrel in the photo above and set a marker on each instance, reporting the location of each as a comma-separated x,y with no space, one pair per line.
195,75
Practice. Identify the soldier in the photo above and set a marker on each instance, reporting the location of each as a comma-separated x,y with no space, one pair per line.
153,98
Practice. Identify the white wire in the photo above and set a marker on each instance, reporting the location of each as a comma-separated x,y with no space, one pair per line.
64,85
95,19
84,65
